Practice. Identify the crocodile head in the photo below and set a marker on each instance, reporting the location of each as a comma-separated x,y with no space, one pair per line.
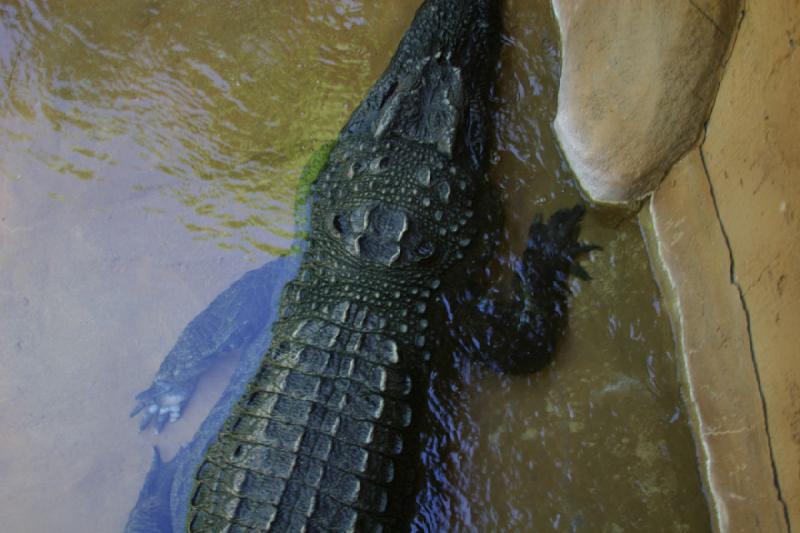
435,89
399,187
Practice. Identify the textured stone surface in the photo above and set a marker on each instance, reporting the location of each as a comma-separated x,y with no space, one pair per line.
752,153
722,383
637,82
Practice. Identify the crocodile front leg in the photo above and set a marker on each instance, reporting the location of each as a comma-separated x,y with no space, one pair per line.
163,500
230,322
518,334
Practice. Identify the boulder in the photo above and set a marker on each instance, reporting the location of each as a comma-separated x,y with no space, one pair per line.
637,83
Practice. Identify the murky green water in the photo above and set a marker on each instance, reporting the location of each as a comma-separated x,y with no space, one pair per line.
150,153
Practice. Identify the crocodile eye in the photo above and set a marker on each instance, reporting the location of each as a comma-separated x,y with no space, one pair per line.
338,224
425,249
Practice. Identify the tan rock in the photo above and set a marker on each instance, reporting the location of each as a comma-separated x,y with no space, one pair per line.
637,82
722,384
752,153
726,223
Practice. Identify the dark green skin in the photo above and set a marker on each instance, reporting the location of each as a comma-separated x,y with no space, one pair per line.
323,437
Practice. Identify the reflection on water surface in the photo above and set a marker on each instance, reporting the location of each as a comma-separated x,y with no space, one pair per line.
125,124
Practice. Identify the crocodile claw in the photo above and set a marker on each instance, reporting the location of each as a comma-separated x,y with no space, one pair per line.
162,403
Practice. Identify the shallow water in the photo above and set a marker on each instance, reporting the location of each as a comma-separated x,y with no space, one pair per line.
150,155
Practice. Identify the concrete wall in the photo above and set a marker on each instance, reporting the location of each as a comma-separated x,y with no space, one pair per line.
748,165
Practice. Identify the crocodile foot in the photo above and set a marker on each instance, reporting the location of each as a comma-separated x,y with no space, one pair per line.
162,402
553,251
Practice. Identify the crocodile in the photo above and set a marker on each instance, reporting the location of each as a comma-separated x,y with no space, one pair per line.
318,429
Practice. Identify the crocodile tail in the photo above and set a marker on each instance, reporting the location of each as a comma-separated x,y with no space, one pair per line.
553,251
151,514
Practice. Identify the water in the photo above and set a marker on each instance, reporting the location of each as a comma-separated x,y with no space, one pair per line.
150,157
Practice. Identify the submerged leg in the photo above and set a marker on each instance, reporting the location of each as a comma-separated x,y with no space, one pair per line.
163,500
230,322
152,513
518,335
